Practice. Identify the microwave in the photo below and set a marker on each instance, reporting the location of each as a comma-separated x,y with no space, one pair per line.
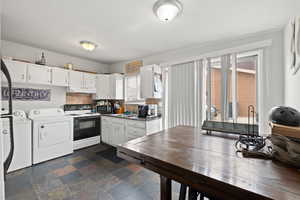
105,109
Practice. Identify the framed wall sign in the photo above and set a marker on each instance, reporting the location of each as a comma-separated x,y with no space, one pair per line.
27,94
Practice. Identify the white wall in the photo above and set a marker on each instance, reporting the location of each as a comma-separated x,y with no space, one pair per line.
26,52
272,74
292,82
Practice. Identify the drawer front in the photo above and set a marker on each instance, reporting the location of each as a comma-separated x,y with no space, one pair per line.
136,124
133,133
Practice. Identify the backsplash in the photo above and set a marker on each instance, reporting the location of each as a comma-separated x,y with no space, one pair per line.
79,98
131,108
134,107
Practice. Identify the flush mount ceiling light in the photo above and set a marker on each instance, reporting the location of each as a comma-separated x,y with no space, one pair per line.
89,46
167,10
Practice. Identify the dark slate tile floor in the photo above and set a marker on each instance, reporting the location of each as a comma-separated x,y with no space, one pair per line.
94,173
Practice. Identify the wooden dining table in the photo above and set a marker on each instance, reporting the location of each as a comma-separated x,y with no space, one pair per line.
210,164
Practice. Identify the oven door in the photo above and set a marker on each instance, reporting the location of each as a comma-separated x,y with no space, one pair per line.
86,127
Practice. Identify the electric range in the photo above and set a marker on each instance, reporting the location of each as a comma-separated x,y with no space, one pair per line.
87,125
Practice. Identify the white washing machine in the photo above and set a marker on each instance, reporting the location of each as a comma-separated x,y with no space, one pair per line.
52,133
22,156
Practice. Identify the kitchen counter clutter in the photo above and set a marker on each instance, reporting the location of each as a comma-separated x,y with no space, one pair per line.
117,129
131,117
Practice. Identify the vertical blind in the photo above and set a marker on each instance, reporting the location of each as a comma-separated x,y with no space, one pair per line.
183,99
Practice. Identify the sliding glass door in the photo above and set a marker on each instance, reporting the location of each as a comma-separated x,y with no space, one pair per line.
246,84
231,87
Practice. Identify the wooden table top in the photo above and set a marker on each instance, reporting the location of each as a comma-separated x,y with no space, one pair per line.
210,163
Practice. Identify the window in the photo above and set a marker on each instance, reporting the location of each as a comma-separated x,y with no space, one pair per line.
246,85
232,87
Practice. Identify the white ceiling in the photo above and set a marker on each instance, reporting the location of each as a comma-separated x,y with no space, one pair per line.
127,29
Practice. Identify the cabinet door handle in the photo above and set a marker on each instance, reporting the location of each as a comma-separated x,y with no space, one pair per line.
23,76
5,132
42,126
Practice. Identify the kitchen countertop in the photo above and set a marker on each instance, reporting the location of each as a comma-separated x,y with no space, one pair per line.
132,117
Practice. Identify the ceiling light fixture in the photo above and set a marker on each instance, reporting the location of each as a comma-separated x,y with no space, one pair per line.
167,10
89,46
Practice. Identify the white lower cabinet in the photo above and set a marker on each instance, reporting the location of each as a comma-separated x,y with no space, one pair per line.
116,131
133,133
105,133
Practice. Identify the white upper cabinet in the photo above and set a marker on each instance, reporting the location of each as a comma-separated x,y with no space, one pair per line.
110,86
75,79
116,86
82,82
151,82
132,87
60,77
103,86
89,81
17,70
22,72
39,74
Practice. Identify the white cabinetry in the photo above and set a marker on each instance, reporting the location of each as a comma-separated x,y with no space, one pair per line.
132,88
22,72
39,74
112,131
89,81
106,130
17,71
116,131
153,126
82,82
116,86
75,79
151,82
103,86
60,77
110,86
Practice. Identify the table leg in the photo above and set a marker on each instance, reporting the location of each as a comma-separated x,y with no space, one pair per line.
165,188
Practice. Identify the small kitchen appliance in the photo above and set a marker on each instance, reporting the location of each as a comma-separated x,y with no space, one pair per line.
105,107
153,110
143,111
